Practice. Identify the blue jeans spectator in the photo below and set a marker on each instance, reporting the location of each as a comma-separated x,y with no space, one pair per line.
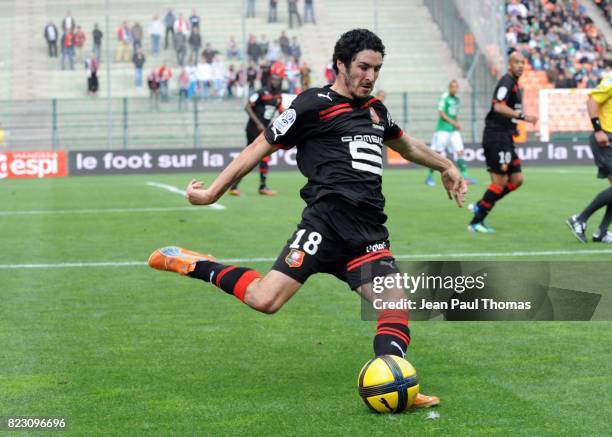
309,12
155,44
68,52
250,12
138,77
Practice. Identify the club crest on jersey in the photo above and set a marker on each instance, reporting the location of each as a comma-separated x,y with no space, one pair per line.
283,122
374,116
295,258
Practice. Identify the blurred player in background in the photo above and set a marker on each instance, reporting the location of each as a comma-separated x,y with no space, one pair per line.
447,135
262,107
339,132
599,106
503,164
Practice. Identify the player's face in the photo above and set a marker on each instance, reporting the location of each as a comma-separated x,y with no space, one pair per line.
275,82
361,76
516,64
453,88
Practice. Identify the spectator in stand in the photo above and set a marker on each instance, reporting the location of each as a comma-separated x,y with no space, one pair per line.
285,45
232,80
180,41
165,74
293,10
68,48
232,49
194,20
278,68
264,73
592,81
79,42
250,9
91,71
205,76
209,53
295,50
154,84
193,90
195,44
516,8
274,52
606,8
169,20
122,52
218,72
138,60
309,12
51,36
253,49
305,76
273,13
264,44
183,82
330,74
137,34
96,37
292,73
251,76
156,29
181,26
68,22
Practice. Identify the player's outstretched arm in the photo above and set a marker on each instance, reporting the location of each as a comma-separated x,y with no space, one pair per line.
506,111
417,151
240,166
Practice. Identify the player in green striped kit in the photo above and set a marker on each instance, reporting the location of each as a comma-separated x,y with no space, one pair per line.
447,135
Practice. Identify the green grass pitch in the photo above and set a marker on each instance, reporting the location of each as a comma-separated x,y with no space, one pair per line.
126,350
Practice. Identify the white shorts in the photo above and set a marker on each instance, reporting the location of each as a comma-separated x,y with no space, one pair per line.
443,140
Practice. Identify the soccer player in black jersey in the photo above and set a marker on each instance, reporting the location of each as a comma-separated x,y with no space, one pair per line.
339,132
503,164
262,107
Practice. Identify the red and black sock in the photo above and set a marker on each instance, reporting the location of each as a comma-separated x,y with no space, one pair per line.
392,334
231,279
263,173
491,196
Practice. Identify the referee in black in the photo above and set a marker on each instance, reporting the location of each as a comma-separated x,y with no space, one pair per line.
503,164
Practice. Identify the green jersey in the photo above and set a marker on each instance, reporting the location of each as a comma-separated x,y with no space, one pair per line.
450,106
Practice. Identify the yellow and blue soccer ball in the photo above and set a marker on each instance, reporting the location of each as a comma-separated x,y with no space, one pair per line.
388,384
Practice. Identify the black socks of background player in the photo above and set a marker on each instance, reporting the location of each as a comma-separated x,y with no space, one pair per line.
493,194
392,333
231,279
602,199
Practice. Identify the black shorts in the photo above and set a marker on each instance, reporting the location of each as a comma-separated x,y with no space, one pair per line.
499,150
602,157
338,238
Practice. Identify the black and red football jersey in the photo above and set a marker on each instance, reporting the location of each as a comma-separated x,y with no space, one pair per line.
339,145
508,92
265,104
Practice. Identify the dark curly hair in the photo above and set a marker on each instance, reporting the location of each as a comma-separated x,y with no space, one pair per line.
354,41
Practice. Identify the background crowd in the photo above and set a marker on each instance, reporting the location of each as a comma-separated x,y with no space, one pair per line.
558,37
199,69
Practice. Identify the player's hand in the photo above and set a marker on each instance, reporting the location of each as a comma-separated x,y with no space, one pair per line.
531,119
197,195
456,187
457,125
602,138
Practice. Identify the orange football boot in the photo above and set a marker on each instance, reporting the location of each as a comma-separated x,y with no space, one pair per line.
176,259
234,192
424,401
265,191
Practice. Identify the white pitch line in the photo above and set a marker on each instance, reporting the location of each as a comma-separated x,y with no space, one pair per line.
177,190
255,260
95,211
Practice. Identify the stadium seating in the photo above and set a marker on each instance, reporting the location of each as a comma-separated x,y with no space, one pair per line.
419,62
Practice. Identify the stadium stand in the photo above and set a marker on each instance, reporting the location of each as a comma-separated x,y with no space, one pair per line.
564,48
419,63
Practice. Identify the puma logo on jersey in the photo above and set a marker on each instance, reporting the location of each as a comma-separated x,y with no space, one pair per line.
326,96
